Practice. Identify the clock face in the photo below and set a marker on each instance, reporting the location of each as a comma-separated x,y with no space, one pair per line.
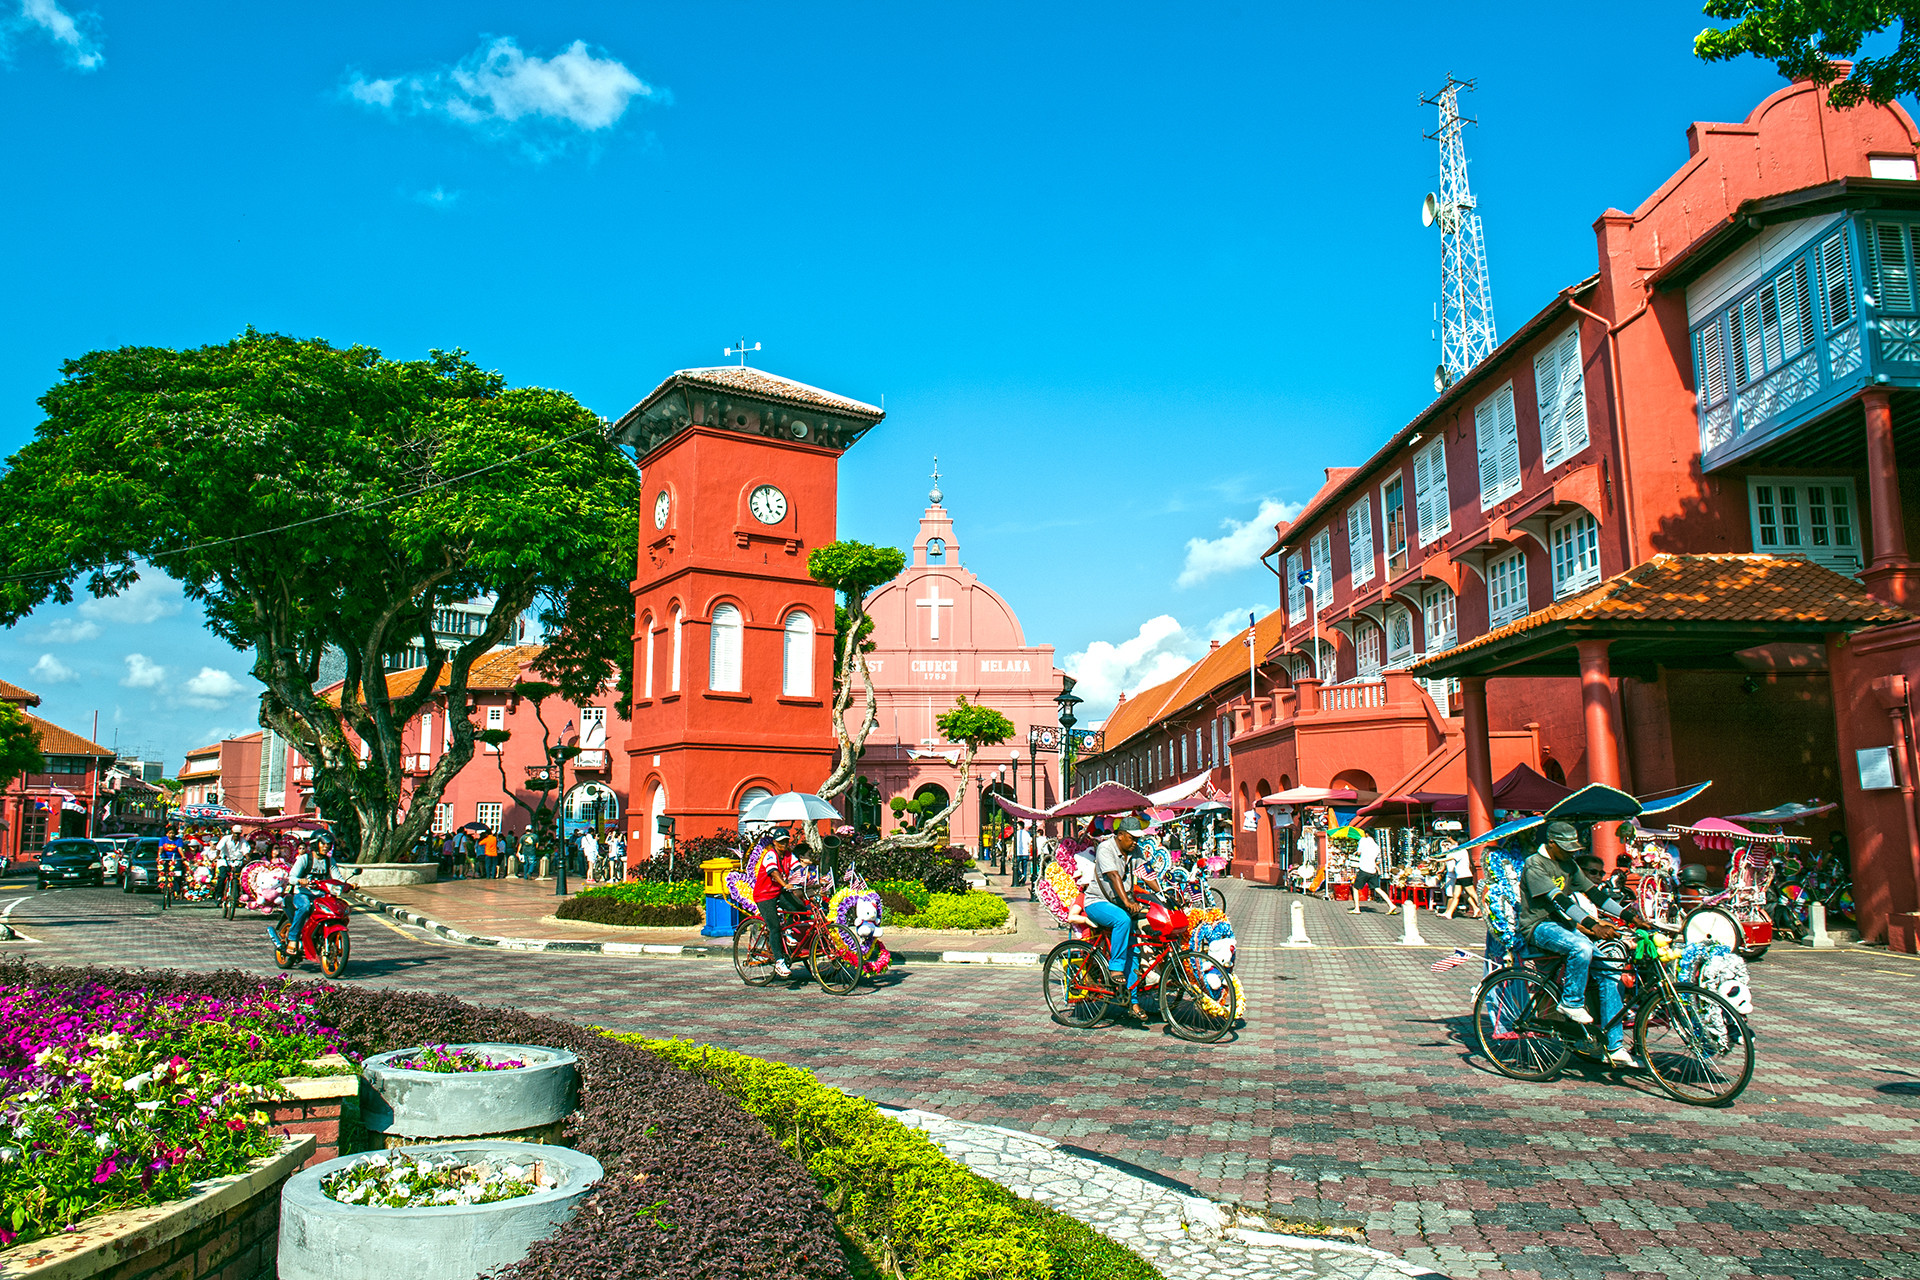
661,505
768,504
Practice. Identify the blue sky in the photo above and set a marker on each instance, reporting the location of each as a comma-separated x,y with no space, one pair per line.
1136,273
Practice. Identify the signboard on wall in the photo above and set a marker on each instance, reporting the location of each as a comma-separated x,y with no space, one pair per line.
1876,769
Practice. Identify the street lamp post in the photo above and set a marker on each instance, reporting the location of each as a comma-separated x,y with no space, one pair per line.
1067,702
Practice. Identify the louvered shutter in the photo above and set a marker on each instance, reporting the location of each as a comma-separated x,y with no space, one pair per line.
1360,541
1836,278
1713,366
1890,266
723,658
1432,507
1498,439
1561,391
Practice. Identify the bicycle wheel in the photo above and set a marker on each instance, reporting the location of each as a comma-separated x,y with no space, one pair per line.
333,953
752,957
1696,1046
166,892
1506,1020
230,900
1197,998
1077,984
1217,900
835,967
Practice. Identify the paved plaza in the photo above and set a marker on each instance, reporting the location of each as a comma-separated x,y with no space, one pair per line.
1349,1095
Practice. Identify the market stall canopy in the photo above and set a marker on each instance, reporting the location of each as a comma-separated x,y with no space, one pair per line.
1014,809
1788,812
1322,795
1108,797
1526,788
1400,808
1179,791
1696,612
1213,806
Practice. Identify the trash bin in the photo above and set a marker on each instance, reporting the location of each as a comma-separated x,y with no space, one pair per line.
722,916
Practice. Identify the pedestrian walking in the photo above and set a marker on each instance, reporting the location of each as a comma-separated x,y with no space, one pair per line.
590,852
1022,853
1366,876
617,856
510,855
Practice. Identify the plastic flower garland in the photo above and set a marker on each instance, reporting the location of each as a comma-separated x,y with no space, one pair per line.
398,1180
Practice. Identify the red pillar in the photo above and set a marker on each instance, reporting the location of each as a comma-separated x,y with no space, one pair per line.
1602,713
1890,574
1479,751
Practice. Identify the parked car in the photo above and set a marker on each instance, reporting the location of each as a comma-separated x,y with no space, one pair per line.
71,861
140,870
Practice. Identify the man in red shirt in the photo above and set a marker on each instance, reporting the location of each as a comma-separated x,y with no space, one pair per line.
771,894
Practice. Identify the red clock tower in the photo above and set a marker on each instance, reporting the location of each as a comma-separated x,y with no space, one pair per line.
733,642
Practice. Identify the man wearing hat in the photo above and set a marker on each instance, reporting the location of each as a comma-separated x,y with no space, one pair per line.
773,894
1555,916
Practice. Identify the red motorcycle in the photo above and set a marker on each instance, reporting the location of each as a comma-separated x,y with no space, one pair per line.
323,937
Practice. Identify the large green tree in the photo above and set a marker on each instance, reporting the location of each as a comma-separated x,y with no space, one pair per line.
19,746
1803,38
312,497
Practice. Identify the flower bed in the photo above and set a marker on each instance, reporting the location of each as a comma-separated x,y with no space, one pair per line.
112,1096
647,903
442,1059
694,1186
409,1180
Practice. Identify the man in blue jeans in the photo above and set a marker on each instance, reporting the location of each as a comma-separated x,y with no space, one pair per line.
1556,915
1108,906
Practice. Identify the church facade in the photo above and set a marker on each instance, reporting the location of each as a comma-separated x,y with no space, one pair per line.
940,633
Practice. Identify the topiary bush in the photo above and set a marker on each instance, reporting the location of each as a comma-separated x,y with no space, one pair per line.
895,1193
896,908
695,1188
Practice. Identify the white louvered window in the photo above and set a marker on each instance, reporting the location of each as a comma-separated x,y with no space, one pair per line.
1507,588
1498,437
1441,612
496,719
646,679
796,657
723,657
673,682
1321,549
1393,523
1560,385
1434,509
426,733
1575,545
487,814
1836,278
1807,516
1184,769
1399,635
1360,541
1773,325
1300,666
1296,590
1369,649
1892,269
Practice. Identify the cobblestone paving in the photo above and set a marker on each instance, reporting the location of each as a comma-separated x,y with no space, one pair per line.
1349,1095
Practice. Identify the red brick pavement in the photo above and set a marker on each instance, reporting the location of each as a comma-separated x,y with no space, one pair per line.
1348,1095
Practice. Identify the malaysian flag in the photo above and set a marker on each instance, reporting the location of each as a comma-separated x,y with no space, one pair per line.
1459,957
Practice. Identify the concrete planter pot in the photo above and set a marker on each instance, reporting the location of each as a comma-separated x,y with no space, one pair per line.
372,875
322,1239
463,1104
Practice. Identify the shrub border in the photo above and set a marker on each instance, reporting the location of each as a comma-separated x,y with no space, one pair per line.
911,1208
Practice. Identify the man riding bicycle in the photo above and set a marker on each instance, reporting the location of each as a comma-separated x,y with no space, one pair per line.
230,854
1557,915
314,863
773,893
1103,876
173,852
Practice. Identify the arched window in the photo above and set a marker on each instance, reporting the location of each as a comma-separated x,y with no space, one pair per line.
657,839
749,798
646,680
723,658
936,550
796,658
1369,649
674,683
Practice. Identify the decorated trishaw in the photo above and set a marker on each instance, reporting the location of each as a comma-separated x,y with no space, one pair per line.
274,844
195,876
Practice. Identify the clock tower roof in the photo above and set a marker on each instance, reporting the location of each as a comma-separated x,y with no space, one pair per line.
747,400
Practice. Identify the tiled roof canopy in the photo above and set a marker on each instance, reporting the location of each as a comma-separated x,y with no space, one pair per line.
1678,610
14,693
55,741
494,672
767,386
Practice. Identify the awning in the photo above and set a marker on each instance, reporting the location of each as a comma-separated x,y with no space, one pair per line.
1179,791
1524,787
1298,795
1788,812
1107,798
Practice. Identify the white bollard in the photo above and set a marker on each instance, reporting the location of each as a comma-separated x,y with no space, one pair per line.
1817,917
1410,936
1299,937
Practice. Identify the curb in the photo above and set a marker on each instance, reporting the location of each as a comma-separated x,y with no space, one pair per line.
569,947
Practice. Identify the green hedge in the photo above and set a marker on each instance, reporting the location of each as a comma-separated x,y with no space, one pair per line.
673,893
893,1190
975,909
912,890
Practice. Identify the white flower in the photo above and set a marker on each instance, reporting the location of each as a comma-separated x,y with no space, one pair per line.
103,1140
152,1105
135,1084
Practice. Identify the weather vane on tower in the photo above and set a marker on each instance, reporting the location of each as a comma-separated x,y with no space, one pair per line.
935,495
740,351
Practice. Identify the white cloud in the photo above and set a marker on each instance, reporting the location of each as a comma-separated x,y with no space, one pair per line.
1239,547
53,671
438,198
73,35
499,88
211,688
70,631
1231,623
1161,649
143,673
150,599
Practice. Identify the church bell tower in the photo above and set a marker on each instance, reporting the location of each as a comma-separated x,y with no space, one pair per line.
733,641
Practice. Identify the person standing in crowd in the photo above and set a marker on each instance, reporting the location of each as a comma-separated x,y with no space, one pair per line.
510,855
1366,875
590,853
489,854
617,856
1022,853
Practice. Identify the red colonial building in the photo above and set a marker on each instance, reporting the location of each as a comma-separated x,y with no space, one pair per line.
38,807
1659,535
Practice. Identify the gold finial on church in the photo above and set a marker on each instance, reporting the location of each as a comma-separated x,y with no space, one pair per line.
935,494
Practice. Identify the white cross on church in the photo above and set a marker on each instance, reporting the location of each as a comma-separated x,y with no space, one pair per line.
934,603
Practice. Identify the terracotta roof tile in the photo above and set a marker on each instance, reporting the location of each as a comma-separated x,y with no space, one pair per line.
494,672
768,386
1225,664
1754,589
55,741
14,693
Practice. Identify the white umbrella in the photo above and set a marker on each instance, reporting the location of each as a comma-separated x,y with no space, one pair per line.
794,806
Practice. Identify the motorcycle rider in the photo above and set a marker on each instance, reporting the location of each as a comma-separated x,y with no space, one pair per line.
1556,915
315,862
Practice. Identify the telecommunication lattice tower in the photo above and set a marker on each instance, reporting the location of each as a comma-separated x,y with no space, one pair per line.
1466,294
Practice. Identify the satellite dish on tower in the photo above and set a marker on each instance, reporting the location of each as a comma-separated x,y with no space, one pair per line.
1429,210
1441,378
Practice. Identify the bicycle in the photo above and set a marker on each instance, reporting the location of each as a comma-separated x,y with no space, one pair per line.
1198,998
833,964
1691,1039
